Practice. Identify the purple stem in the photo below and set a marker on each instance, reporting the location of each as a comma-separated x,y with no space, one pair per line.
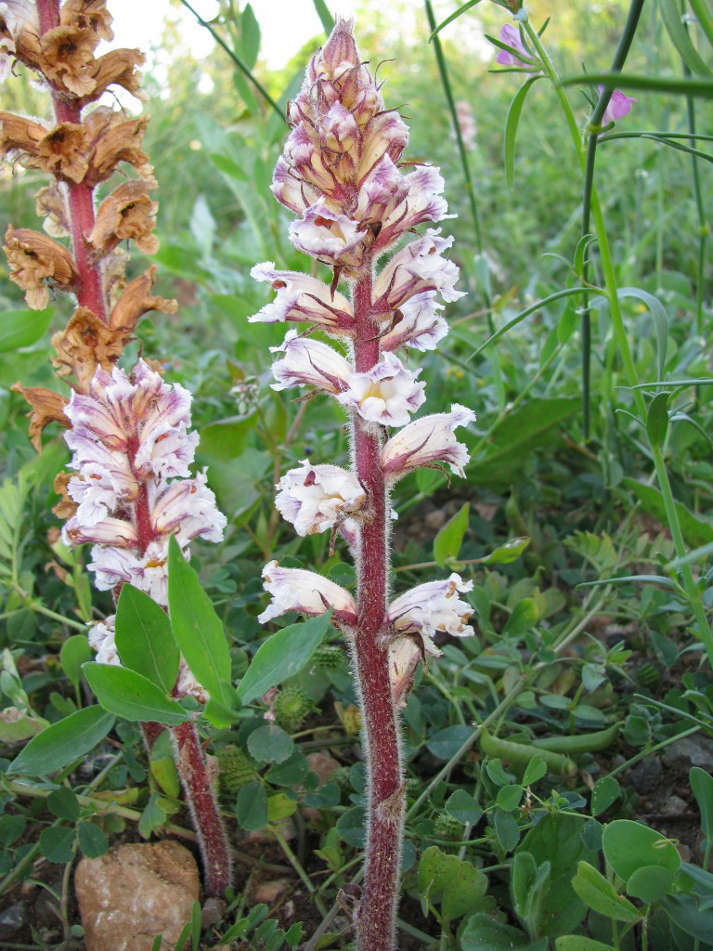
376,924
80,197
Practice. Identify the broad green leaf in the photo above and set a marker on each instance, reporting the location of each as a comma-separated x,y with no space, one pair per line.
658,312
482,933
531,426
280,806
606,791
281,656
63,742
650,883
64,804
579,942
629,845
22,328
228,167
534,771
455,884
251,807
73,653
600,895
144,638
132,696
56,844
684,911
325,17
696,531
557,838
225,439
447,542
657,419
92,839
197,628
529,882
270,744
507,553
511,123
463,807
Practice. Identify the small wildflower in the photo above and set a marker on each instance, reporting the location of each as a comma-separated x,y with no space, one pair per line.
618,106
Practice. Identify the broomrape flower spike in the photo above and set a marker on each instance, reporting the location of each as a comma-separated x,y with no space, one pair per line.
131,487
340,173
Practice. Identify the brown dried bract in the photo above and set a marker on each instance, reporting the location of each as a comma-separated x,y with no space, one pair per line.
116,139
136,301
66,507
117,67
88,15
85,343
35,258
63,152
47,407
127,214
20,137
50,205
67,59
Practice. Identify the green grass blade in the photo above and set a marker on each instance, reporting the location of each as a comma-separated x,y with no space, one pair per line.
326,18
453,16
678,87
671,14
704,15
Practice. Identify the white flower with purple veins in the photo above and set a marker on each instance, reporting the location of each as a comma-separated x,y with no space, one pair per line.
293,589
114,566
422,201
186,508
432,607
302,298
416,268
417,324
101,639
291,191
309,362
426,442
324,234
316,498
387,394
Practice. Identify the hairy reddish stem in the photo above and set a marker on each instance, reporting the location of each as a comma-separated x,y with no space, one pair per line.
201,801
376,925
80,197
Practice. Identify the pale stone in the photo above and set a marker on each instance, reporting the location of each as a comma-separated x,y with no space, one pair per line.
134,893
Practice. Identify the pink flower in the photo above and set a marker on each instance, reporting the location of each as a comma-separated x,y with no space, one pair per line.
316,498
426,442
386,394
618,106
431,607
293,589
511,37
309,362
301,298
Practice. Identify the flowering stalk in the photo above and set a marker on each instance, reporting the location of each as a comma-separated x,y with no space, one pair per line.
339,173
129,434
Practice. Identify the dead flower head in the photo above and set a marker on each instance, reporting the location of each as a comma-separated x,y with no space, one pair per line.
34,258
127,214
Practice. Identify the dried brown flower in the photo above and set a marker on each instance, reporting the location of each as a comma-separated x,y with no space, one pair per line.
66,507
116,139
117,67
20,137
47,407
63,151
88,15
50,205
127,214
67,59
35,258
136,301
85,343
